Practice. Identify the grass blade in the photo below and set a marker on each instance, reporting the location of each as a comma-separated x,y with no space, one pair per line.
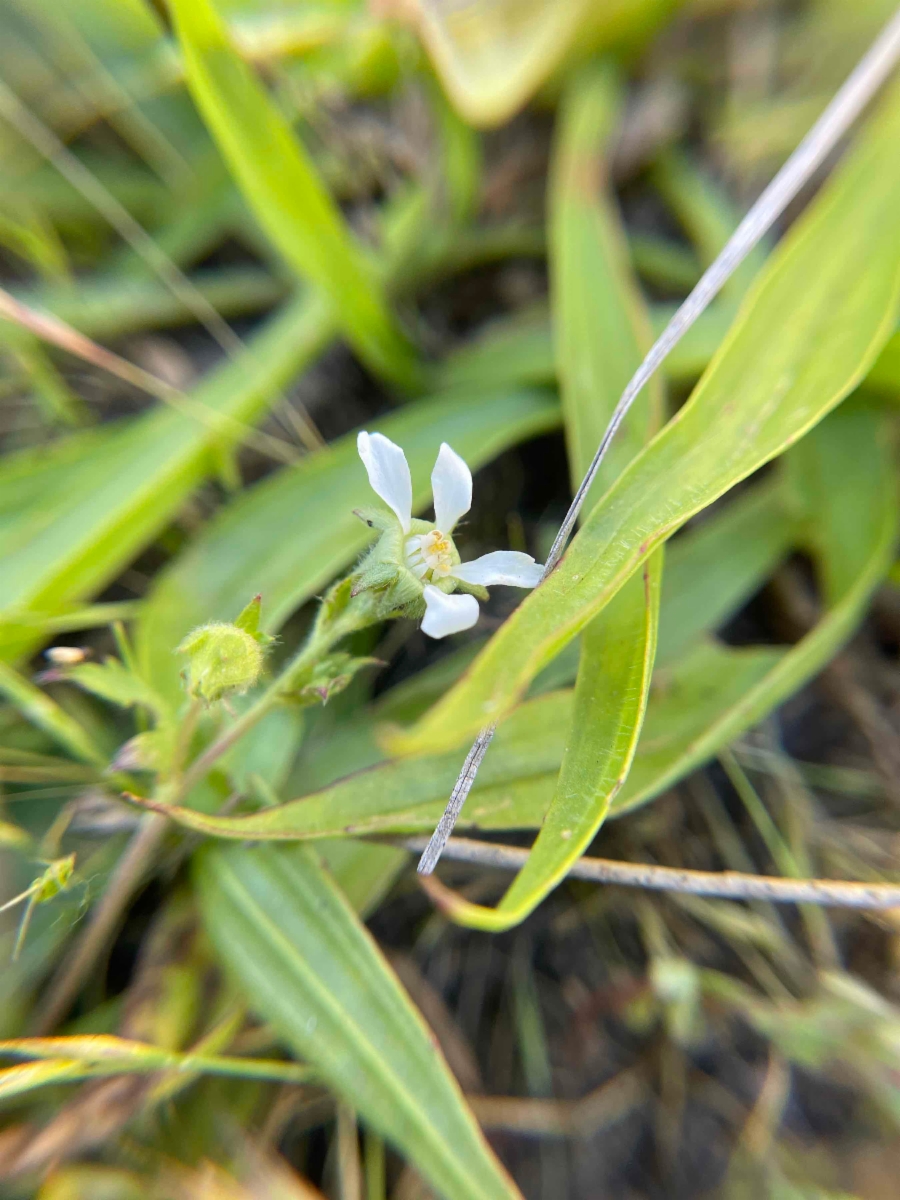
806,336
281,185
602,332
318,977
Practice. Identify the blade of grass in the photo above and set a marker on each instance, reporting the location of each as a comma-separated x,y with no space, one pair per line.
89,522
851,533
316,974
602,330
282,187
808,333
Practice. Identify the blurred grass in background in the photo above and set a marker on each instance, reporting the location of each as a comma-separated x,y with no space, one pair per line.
232,233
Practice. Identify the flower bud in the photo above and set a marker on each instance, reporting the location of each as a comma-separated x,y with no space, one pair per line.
223,661
55,879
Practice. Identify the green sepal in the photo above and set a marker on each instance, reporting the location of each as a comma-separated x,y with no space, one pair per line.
374,577
248,620
330,676
375,518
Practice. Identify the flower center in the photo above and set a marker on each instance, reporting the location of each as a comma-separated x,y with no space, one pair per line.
429,554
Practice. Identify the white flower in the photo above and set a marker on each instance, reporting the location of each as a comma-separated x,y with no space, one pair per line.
421,554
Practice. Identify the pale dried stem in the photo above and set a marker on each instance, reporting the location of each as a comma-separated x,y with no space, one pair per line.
51,329
73,170
732,885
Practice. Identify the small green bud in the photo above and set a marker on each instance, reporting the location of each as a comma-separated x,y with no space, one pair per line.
224,661
331,675
55,879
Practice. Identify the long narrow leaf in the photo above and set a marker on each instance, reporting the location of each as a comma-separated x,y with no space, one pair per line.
307,964
602,333
283,188
807,334
852,536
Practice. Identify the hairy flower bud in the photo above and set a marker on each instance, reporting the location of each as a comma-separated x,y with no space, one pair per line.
223,661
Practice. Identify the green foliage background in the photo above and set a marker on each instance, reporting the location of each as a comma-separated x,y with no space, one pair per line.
136,143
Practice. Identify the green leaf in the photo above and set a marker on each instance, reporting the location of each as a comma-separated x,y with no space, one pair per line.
516,782
602,331
610,701
492,55
281,185
14,1081
364,872
308,966
113,681
67,1059
257,543
852,532
600,325
700,701
807,334
885,375
711,570
66,532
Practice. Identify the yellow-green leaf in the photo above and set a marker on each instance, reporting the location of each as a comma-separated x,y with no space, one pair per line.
282,186
807,334
492,55
602,332
307,964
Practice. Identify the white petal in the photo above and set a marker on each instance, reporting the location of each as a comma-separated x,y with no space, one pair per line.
451,484
447,614
503,566
388,473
